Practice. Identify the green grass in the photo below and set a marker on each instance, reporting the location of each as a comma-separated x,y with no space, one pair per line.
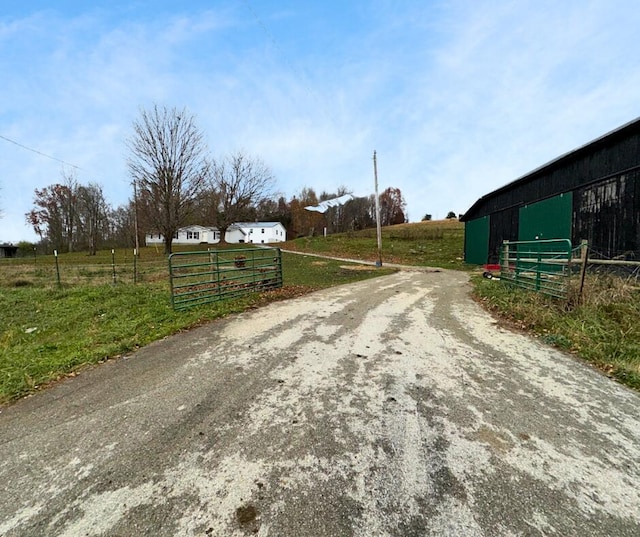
604,329
435,244
48,332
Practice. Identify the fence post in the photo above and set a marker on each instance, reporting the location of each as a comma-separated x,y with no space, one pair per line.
505,259
135,265
55,253
584,258
113,264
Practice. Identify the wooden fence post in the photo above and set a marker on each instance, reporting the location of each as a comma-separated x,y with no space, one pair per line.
584,258
505,258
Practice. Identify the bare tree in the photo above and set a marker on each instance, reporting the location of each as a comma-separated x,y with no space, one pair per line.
168,163
122,226
240,183
93,213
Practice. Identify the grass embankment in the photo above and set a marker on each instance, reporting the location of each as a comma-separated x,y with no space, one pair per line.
604,329
48,332
436,244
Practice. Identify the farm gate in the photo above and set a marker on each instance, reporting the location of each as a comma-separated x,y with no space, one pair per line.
542,265
209,276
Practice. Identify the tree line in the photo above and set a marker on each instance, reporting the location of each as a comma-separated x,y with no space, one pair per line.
176,183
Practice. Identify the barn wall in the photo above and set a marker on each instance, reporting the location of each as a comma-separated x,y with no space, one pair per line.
503,227
607,214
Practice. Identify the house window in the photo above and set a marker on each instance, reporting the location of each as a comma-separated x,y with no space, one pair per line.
193,234
175,236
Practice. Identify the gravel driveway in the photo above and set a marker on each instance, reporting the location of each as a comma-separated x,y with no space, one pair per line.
390,407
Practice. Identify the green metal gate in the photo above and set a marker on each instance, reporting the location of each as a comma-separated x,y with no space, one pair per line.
209,276
543,266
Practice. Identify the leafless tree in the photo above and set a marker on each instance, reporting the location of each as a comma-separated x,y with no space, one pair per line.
93,212
122,231
168,163
240,183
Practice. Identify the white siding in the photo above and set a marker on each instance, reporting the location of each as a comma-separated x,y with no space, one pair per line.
243,233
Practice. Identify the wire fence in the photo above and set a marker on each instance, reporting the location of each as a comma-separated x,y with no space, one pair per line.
53,270
623,264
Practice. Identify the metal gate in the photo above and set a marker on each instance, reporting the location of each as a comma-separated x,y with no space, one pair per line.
543,265
209,276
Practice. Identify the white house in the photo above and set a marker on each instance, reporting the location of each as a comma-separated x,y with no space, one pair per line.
187,235
241,232
256,232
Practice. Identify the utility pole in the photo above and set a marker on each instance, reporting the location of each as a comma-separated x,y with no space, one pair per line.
378,229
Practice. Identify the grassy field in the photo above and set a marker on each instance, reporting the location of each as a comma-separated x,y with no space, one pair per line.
436,243
49,331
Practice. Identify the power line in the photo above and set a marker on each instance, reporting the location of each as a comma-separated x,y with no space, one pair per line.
39,152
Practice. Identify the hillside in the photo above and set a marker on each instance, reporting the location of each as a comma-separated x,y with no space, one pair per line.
437,243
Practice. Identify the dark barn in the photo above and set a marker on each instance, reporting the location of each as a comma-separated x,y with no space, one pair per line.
8,250
591,193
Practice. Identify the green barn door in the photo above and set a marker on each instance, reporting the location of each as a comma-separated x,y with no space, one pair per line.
476,241
548,219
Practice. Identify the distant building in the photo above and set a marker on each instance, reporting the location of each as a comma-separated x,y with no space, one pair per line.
187,235
8,250
256,232
241,232
591,193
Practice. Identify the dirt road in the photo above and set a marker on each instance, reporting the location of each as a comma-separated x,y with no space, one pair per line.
391,407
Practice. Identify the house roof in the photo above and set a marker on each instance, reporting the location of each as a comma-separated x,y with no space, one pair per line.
620,132
254,224
198,227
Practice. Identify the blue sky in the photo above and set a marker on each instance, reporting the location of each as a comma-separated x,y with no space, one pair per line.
458,97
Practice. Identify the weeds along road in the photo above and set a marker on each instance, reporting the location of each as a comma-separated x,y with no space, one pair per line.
390,407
